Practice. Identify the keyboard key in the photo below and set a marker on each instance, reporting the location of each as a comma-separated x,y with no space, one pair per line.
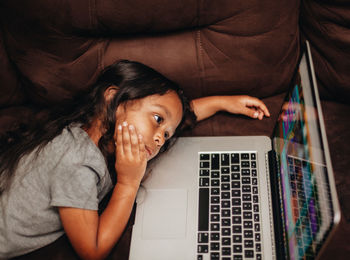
203,182
248,233
247,215
253,164
215,256
245,156
226,222
246,172
203,164
256,217
234,158
235,184
226,231
203,172
246,188
215,191
236,201
237,229
254,181
225,178
248,243
225,186
245,180
225,170
225,195
258,247
236,193
246,197
237,238
257,227
226,213
202,249
245,164
215,182
226,251
247,206
204,156
225,159
215,199
203,237
215,217
203,220
214,208
257,237
215,174
253,156
214,236
254,173
214,246
249,253
235,176
237,248
234,168
247,224
236,220
214,226
236,211
215,161
225,204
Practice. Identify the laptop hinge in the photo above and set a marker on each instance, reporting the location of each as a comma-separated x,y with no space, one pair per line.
276,206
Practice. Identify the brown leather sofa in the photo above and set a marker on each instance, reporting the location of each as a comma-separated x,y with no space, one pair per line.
51,49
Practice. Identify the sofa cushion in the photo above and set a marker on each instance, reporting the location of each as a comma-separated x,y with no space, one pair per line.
11,92
326,24
209,48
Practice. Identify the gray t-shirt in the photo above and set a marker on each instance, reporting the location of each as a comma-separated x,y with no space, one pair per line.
70,171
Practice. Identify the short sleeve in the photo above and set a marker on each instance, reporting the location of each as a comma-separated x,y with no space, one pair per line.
75,188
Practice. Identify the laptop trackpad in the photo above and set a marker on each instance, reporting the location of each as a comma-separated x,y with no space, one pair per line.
165,214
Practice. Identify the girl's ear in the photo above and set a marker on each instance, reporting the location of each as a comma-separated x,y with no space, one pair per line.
110,92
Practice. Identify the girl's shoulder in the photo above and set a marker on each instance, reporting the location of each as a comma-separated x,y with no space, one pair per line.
74,147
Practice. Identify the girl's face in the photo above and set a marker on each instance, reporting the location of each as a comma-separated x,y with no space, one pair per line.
155,117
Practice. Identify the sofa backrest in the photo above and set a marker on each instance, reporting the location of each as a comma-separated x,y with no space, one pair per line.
208,47
11,92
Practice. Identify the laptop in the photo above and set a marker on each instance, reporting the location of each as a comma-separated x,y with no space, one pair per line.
244,197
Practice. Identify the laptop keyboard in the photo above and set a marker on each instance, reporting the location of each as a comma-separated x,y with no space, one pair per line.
229,225
305,208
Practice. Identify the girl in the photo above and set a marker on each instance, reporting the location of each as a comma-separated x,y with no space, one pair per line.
53,176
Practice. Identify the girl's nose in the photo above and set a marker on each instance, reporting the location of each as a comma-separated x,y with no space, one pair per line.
159,138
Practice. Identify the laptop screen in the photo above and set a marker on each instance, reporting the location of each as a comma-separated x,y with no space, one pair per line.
306,208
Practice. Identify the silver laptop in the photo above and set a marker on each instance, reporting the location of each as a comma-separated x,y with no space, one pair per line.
244,197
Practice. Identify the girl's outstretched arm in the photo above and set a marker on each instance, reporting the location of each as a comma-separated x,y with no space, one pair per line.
245,105
91,235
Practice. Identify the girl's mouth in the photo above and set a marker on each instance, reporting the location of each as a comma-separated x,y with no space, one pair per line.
149,151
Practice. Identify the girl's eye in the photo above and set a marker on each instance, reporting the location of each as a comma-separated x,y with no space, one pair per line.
166,135
158,119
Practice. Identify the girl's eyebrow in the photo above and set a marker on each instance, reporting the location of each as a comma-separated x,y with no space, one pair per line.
164,108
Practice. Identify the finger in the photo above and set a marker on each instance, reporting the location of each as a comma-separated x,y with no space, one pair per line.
119,141
261,114
260,106
142,149
126,139
249,111
134,140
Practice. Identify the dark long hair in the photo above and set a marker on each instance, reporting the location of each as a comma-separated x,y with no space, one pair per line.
133,80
